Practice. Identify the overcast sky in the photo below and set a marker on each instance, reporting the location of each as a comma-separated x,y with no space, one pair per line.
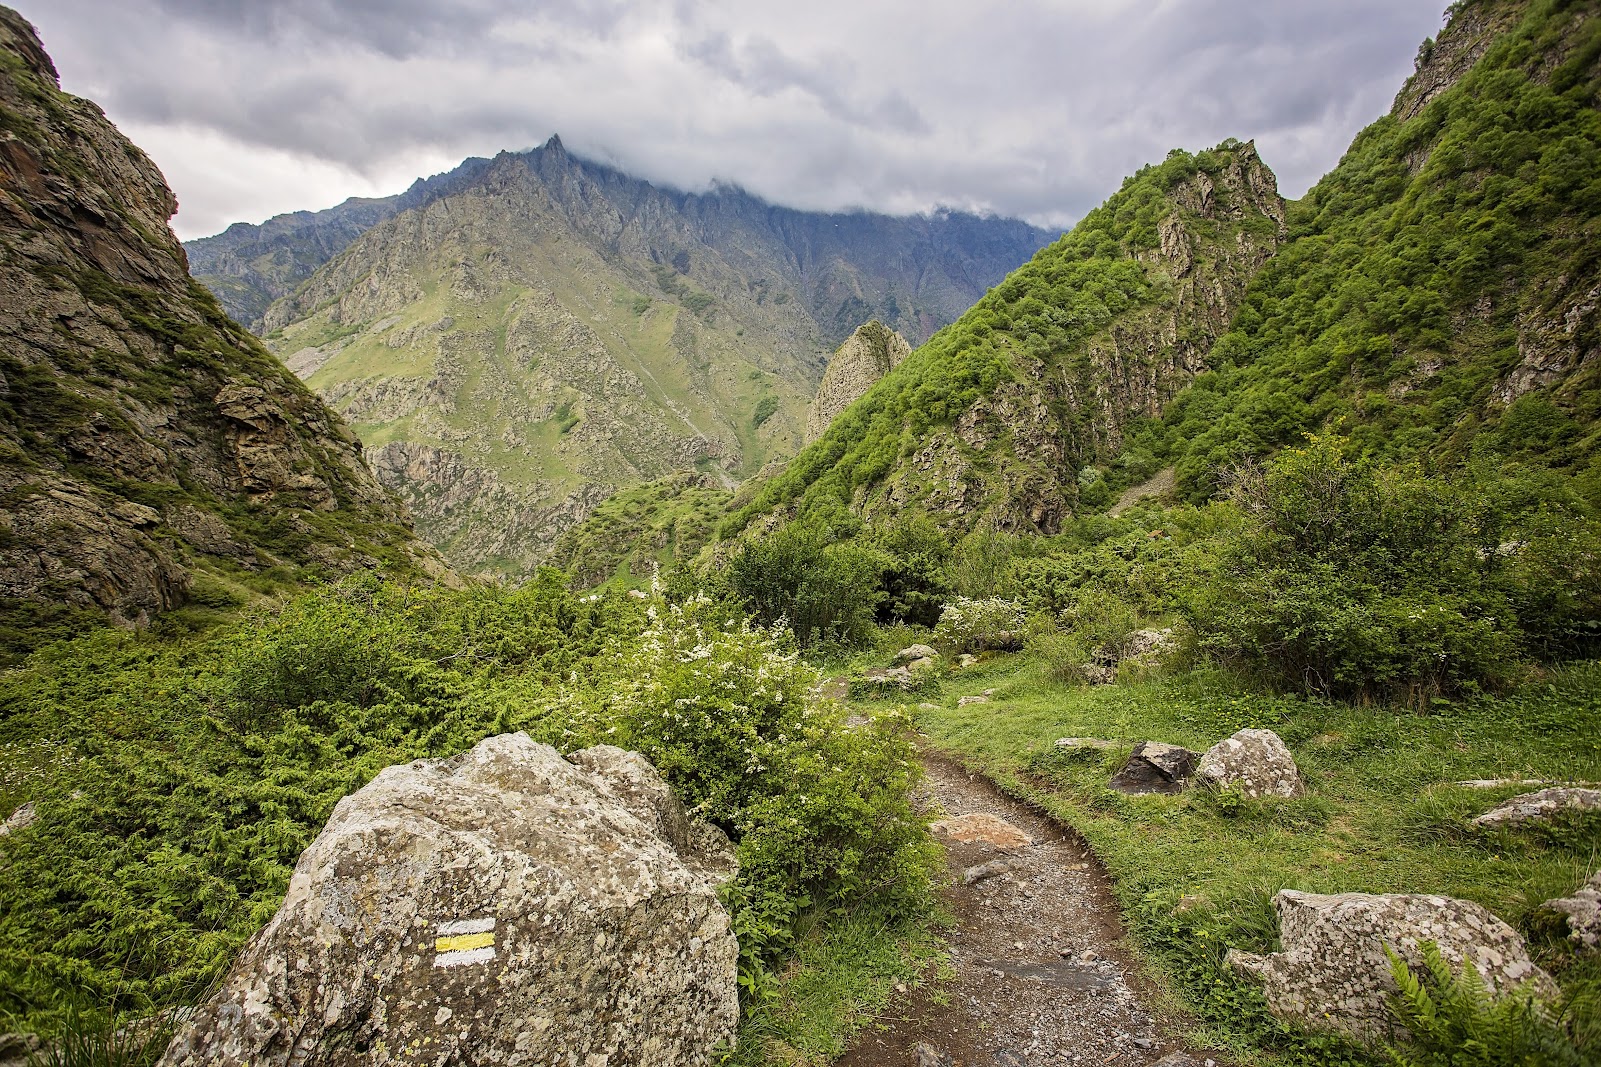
1035,108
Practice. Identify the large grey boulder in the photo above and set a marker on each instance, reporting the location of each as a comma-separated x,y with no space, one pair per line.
1583,910
1541,806
1256,762
1333,972
1155,767
505,906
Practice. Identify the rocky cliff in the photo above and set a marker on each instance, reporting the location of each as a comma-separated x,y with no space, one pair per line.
866,356
1011,416
517,350
144,437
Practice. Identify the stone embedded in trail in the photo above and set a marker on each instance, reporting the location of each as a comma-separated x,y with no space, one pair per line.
1257,762
1583,910
504,906
1154,767
1541,806
1333,972
982,828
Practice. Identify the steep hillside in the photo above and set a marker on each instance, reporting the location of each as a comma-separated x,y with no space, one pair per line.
248,266
145,439
1004,416
516,351
1440,292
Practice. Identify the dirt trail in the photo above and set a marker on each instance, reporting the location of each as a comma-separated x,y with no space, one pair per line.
1041,976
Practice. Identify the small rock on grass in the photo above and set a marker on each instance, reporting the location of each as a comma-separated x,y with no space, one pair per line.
1541,806
962,702
1072,744
1257,762
913,653
20,819
1583,910
1155,767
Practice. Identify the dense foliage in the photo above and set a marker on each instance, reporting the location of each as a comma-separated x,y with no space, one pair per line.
177,782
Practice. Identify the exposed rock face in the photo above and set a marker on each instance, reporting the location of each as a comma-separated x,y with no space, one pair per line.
1257,762
1333,973
575,331
1541,806
1155,767
865,357
126,396
1442,63
1583,910
505,906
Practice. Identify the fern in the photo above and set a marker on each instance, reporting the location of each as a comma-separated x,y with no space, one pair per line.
1452,1020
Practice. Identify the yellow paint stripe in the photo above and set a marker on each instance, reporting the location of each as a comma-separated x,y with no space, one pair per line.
463,942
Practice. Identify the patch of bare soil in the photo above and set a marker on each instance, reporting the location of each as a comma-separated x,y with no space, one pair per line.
1042,977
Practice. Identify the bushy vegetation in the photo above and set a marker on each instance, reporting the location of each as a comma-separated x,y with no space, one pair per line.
178,781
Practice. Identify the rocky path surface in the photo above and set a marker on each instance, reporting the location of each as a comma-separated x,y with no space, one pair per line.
1041,975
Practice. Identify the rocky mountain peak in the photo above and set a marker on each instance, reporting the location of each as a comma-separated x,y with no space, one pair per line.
1472,27
144,437
865,357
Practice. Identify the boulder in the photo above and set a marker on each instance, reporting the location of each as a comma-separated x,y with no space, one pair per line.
1541,806
1333,972
503,906
1154,767
1583,910
20,819
1257,762
913,653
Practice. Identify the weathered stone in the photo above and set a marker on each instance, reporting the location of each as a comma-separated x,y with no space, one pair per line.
20,819
1154,767
913,653
1333,972
980,871
979,698
504,906
981,828
1583,910
927,1055
1072,744
1257,762
1541,806
865,357
19,1050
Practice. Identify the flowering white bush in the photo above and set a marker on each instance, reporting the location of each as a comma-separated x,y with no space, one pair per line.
975,625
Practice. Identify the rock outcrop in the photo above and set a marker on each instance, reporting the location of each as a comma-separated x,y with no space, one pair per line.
865,357
1541,806
1256,762
505,906
1155,767
129,403
1583,911
1333,972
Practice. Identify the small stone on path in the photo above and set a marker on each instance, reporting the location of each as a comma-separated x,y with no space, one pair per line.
982,828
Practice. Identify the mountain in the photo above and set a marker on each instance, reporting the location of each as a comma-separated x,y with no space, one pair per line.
865,357
518,348
1003,416
248,266
1439,295
1435,297
151,451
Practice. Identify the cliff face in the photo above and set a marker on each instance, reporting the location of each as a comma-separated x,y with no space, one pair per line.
866,356
515,351
1006,416
142,433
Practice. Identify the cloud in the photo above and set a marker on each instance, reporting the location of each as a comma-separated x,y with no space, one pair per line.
1036,108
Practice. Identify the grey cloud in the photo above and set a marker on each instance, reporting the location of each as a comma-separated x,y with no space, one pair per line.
1034,107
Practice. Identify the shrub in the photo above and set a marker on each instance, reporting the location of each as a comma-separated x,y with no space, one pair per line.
1064,657
977,625
824,589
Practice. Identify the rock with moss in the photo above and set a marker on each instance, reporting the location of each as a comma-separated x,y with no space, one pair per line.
1541,806
1255,762
1333,972
502,906
1583,913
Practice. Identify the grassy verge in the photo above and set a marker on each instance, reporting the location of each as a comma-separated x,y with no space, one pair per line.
1196,872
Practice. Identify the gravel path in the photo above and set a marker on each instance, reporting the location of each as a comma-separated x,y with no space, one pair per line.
1041,975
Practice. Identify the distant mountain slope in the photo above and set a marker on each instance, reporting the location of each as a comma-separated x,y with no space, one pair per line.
1003,416
518,349
248,267
1441,293
145,439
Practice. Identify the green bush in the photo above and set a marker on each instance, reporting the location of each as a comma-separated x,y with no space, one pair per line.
1064,656
822,588
980,625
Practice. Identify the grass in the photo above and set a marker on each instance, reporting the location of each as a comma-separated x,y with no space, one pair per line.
1196,875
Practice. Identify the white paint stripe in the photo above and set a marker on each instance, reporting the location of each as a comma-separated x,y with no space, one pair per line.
457,927
457,959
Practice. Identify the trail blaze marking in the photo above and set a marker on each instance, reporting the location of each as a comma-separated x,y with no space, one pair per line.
462,941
